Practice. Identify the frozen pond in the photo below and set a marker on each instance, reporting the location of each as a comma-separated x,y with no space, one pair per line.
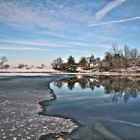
19,109
108,108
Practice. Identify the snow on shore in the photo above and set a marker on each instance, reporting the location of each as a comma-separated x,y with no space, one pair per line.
47,71
24,70
27,72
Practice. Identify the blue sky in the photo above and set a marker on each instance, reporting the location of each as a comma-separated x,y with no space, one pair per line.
37,31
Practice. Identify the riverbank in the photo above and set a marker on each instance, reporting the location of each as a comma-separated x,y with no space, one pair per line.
19,109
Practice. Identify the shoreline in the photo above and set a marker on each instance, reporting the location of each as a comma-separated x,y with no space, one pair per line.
62,133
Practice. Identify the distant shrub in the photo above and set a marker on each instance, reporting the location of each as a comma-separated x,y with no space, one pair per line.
6,66
20,66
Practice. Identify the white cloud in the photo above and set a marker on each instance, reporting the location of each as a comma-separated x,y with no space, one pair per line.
107,8
114,21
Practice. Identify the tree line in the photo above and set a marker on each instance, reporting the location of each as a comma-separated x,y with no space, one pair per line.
116,59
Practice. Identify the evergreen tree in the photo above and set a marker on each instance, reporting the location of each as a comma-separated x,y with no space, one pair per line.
71,65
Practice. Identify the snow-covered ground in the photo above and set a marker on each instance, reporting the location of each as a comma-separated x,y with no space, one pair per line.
47,71
32,70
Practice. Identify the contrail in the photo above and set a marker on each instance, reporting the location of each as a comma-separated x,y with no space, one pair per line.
114,21
107,8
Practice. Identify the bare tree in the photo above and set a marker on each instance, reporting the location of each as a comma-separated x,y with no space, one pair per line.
115,49
126,55
126,52
3,60
134,56
57,63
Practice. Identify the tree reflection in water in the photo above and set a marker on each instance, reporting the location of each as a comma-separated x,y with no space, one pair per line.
119,87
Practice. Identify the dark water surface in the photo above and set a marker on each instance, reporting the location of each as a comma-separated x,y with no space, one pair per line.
107,107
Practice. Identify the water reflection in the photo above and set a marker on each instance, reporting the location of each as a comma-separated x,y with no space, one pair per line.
88,100
118,87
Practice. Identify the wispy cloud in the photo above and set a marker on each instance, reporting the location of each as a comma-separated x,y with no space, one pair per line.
48,14
22,49
36,43
20,14
114,21
107,8
78,51
43,45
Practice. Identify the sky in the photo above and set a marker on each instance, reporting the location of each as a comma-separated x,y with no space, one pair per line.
38,31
